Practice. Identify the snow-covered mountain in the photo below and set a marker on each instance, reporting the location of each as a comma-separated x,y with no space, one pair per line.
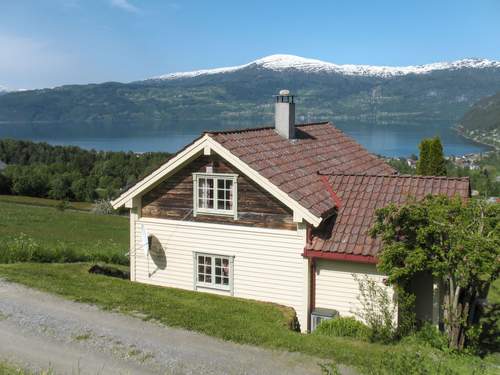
435,93
297,63
3,89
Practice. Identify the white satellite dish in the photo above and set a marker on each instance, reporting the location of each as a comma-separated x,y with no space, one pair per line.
145,240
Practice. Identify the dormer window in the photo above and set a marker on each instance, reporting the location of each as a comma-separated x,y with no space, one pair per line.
214,193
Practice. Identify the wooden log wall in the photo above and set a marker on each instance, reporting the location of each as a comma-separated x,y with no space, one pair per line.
173,199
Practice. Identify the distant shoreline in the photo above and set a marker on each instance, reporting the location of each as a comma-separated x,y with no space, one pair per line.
459,129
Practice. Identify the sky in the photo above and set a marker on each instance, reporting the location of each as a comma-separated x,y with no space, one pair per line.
47,43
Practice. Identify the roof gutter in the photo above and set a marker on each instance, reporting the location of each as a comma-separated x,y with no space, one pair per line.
317,254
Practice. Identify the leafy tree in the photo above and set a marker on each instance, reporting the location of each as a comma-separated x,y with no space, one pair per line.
67,172
31,180
457,242
431,161
5,184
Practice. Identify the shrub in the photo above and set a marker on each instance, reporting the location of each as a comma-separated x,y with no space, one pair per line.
102,207
377,309
429,336
344,327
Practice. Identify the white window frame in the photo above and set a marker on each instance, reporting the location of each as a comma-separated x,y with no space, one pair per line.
212,285
214,211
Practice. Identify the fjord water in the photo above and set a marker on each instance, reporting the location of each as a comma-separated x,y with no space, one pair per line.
383,139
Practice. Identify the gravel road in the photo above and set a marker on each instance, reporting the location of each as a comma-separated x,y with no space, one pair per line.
41,331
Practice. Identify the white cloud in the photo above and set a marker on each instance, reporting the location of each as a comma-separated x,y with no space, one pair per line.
125,5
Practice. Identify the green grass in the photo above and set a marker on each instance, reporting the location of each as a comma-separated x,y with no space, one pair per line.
232,319
7,368
44,202
68,235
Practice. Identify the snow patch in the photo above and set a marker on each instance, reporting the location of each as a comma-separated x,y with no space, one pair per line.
291,62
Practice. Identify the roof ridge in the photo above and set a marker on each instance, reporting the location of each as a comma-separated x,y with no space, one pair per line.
465,178
242,130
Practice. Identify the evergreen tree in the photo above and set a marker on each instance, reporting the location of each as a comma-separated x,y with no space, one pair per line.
437,162
424,159
431,161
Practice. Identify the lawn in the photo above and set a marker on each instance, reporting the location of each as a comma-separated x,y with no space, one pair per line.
94,237
44,202
79,235
232,319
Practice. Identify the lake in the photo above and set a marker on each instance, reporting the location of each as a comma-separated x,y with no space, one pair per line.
383,139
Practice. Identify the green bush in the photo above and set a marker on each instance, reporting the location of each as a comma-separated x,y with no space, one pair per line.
429,336
376,309
23,249
344,327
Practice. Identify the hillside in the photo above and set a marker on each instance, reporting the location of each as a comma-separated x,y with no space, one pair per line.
242,94
482,121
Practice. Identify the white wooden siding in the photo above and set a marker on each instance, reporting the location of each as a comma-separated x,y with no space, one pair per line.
268,265
336,287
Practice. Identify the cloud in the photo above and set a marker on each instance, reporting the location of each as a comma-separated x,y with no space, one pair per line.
124,5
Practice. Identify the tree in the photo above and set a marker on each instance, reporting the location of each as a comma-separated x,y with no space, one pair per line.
437,162
457,242
5,184
431,161
424,158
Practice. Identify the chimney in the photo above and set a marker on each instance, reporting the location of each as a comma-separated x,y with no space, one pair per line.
284,116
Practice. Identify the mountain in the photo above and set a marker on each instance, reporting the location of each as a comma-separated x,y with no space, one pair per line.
289,62
482,121
242,95
3,90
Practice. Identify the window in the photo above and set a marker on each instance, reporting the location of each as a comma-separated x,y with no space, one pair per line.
213,271
214,193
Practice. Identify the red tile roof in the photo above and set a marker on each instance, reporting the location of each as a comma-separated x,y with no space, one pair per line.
360,195
293,165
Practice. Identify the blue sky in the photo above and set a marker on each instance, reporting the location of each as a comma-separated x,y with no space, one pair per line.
53,42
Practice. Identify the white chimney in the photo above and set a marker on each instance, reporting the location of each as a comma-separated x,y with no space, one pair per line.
284,116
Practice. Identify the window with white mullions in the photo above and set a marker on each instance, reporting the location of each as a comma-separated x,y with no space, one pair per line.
213,271
215,193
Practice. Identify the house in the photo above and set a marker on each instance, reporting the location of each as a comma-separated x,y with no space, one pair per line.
278,214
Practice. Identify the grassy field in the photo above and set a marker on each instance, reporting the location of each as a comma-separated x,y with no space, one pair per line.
231,319
44,202
74,232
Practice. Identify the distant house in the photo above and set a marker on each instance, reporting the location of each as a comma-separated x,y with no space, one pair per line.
278,214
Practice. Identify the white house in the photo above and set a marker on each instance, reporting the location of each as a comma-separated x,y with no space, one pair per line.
276,214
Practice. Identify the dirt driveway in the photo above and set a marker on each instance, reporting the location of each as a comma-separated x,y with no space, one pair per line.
43,331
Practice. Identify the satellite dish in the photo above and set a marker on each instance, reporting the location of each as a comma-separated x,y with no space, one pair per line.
284,92
145,240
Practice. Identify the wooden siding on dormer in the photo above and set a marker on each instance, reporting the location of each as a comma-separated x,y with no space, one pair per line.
173,199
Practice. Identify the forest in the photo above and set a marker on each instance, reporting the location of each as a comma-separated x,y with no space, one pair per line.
70,173
74,174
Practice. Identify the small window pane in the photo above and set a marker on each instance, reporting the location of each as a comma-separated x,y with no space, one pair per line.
217,280
217,261
201,278
208,279
226,281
